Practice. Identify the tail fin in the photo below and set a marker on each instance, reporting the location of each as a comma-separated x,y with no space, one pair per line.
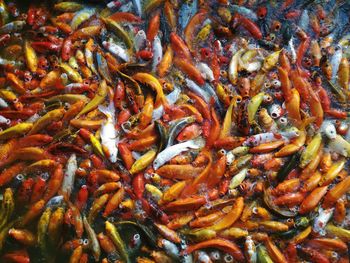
109,111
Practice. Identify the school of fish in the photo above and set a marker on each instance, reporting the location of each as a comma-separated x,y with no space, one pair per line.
175,131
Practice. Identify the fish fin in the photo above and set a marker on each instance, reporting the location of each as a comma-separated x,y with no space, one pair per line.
103,109
109,111
198,142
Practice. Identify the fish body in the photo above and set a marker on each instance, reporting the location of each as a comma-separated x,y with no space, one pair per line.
157,53
191,85
69,176
186,11
108,133
12,27
140,40
176,149
81,16
270,137
116,50
137,7
335,61
171,98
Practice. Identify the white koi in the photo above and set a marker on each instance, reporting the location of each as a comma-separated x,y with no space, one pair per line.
176,149
157,52
109,137
69,176
116,50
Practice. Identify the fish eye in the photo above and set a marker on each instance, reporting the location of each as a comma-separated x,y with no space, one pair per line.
276,25
276,83
166,85
222,152
267,85
215,255
228,258
283,121
20,177
268,99
334,254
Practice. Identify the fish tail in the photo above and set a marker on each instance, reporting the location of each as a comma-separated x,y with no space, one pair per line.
109,111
